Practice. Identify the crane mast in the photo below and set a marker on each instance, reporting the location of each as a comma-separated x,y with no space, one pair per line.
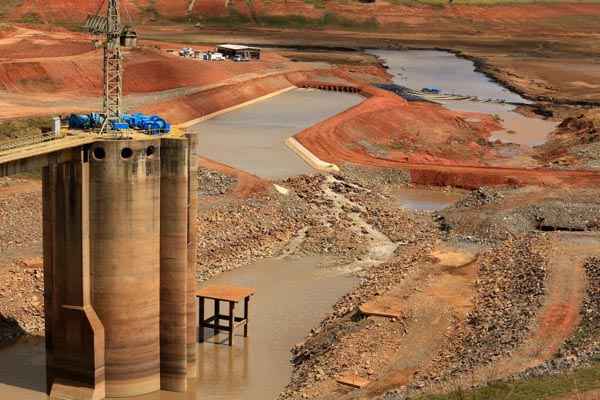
113,67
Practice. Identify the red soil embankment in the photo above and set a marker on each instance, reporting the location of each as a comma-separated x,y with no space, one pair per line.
36,61
437,146
387,126
78,10
392,16
247,184
472,177
209,101
22,43
387,14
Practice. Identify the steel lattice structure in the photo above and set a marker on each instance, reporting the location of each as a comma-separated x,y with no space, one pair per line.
113,66
110,26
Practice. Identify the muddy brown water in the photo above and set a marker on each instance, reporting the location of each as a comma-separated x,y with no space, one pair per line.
418,69
421,199
292,296
253,138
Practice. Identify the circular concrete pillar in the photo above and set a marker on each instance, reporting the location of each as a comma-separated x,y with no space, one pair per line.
125,261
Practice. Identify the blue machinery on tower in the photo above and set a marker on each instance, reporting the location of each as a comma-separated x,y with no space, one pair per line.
112,120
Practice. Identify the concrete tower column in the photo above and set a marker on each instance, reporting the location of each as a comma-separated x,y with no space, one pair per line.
74,334
125,261
174,263
192,318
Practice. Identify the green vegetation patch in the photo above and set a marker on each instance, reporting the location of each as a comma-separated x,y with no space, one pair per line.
316,3
236,19
31,18
580,380
24,127
6,6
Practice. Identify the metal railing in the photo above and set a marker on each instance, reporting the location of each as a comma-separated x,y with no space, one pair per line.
13,144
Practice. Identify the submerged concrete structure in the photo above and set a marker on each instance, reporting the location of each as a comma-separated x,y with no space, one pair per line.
119,257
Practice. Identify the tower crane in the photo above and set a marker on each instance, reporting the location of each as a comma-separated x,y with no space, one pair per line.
110,26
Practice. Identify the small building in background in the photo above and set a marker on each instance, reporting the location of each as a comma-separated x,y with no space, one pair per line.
241,52
129,38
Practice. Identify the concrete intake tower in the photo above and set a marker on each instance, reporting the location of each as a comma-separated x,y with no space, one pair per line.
119,261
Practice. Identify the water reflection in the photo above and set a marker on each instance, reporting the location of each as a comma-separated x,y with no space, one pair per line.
292,296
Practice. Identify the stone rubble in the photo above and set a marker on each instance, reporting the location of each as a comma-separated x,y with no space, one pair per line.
21,299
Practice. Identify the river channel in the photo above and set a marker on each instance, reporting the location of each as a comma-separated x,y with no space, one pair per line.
419,69
253,138
292,296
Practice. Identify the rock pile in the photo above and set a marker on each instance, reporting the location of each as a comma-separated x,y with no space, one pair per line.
21,299
510,290
20,219
339,343
558,215
213,183
584,345
232,234
479,197
586,341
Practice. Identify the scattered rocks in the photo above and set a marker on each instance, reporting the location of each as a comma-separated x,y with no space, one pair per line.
213,183
499,215
21,299
20,218
510,289
479,197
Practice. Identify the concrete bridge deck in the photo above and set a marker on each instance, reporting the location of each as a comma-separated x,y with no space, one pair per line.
36,156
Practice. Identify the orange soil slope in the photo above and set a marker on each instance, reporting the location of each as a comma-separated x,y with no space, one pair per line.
193,106
247,184
399,131
356,137
34,61
77,10
385,12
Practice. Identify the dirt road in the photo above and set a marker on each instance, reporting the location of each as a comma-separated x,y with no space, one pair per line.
560,313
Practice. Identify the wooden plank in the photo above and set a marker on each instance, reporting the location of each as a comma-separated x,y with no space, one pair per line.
225,293
352,380
383,306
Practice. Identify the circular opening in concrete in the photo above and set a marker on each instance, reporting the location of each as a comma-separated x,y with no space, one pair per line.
150,151
126,153
99,153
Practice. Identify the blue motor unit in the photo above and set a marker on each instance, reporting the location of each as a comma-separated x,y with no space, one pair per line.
152,124
119,126
86,121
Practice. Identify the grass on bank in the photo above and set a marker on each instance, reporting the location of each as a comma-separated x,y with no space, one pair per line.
548,387
17,128
328,20
7,6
